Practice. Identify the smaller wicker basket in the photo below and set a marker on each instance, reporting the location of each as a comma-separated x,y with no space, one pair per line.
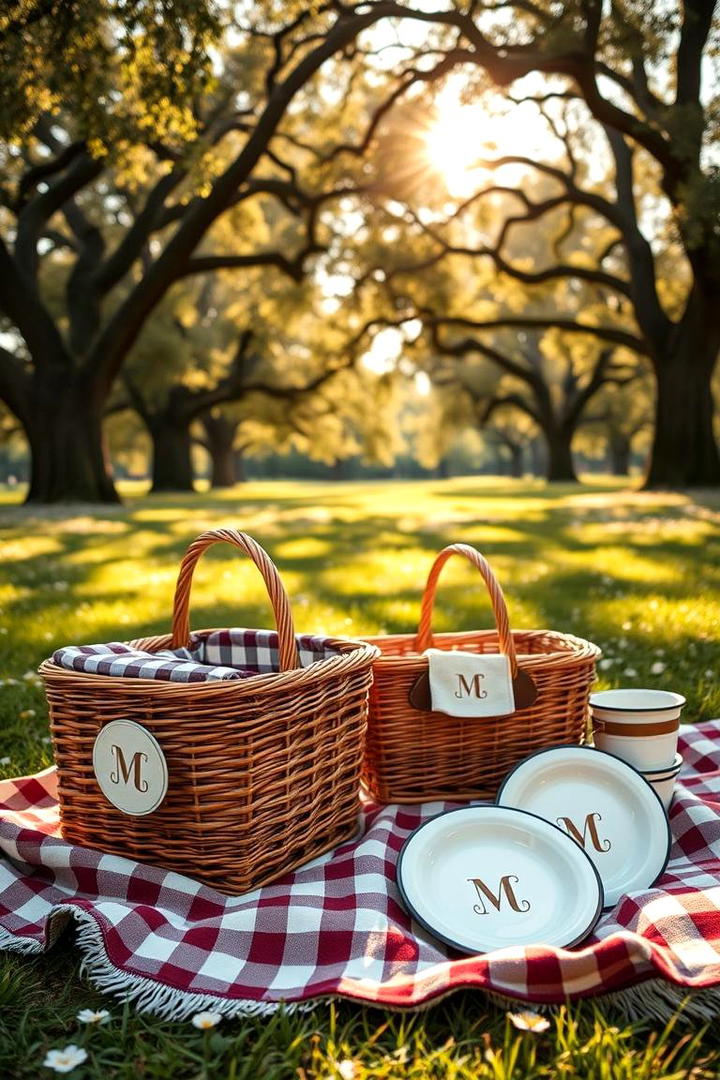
413,755
264,772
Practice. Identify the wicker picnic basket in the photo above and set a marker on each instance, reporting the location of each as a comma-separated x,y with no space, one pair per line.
263,772
413,754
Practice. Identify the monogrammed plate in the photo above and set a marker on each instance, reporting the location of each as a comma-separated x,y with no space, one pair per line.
604,804
486,877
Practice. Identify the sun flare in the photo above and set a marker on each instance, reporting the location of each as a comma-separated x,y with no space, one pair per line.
463,140
452,148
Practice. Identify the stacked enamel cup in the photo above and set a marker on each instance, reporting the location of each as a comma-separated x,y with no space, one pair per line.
641,727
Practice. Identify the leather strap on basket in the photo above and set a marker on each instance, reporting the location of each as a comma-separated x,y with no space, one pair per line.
287,647
424,639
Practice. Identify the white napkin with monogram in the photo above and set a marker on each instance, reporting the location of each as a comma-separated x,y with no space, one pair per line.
470,684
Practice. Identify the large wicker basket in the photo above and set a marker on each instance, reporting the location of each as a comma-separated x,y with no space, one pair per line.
264,772
414,755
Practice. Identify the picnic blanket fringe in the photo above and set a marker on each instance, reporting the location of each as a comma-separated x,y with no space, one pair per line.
654,999
147,995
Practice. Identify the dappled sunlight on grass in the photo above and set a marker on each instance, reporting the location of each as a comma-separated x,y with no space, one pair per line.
29,547
623,565
635,572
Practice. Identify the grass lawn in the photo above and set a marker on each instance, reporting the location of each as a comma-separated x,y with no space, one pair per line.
639,574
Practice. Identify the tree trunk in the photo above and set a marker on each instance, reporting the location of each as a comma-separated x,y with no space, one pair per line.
172,468
220,435
240,473
619,453
517,460
538,457
560,467
222,474
68,456
684,452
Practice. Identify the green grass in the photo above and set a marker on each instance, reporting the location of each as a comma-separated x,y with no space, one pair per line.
636,573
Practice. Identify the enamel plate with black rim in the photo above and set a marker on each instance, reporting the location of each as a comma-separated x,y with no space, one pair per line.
485,877
604,805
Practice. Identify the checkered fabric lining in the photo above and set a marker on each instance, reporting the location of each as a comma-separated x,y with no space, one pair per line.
219,654
336,926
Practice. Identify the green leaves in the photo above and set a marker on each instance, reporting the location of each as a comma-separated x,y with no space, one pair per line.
123,69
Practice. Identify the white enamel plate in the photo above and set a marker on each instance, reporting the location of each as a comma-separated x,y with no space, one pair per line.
485,877
604,805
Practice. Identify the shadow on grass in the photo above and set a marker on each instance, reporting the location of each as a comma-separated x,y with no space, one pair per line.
355,557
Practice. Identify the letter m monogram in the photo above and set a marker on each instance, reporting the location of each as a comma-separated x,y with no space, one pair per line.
123,770
590,827
506,887
470,687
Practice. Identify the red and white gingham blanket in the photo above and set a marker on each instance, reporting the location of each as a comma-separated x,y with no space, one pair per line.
337,927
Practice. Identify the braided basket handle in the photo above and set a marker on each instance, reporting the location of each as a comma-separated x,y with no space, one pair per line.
423,639
287,648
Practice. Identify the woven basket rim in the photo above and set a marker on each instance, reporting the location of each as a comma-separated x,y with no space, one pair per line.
580,648
356,655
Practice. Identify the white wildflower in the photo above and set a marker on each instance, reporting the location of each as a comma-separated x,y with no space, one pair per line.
529,1021
630,672
90,1016
347,1069
206,1020
657,668
606,662
64,1061
4,760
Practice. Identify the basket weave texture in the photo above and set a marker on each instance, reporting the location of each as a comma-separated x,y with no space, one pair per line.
264,772
414,756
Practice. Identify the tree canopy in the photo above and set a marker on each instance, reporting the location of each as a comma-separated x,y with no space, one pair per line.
151,145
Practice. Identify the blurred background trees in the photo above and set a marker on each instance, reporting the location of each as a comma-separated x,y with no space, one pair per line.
359,232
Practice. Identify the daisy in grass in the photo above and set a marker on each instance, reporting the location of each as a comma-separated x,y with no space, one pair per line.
89,1016
206,1020
347,1069
63,1061
529,1021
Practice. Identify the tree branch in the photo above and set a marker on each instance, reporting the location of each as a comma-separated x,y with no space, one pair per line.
697,21
577,61
128,250
641,261
20,301
36,173
31,219
124,326
566,323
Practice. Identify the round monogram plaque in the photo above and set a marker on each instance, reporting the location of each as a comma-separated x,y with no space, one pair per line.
130,767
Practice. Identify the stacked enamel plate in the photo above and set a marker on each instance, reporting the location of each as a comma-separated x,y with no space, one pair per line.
573,829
